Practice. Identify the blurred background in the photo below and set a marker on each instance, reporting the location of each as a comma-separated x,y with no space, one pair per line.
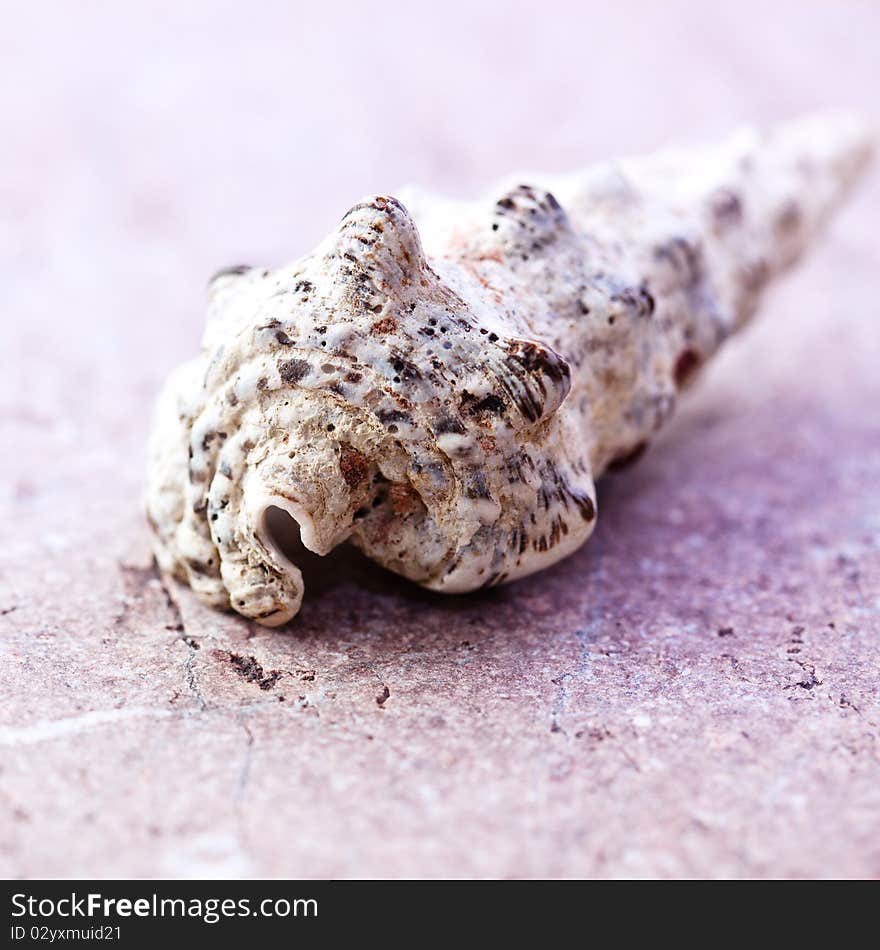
695,693
146,144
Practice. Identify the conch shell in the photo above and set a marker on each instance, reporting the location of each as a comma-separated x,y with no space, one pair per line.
444,397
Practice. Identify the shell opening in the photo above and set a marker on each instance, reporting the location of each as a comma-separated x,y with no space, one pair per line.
287,534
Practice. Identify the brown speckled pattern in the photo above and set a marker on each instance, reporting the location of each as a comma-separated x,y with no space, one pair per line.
489,377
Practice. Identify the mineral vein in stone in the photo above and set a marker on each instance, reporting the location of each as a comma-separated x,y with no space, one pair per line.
444,397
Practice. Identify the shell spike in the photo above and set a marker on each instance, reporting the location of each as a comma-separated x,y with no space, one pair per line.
378,237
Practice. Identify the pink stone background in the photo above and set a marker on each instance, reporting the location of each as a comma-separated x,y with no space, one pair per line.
592,721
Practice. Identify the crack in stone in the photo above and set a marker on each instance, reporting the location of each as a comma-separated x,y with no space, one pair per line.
134,582
851,571
578,674
809,679
192,682
559,702
47,730
245,771
178,625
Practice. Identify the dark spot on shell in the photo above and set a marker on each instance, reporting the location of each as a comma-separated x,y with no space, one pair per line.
789,218
352,464
755,274
292,371
202,567
636,299
585,506
383,326
392,415
235,270
685,366
488,404
404,368
283,338
684,256
448,424
727,207
477,487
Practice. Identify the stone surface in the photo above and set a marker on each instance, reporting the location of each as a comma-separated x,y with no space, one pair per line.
694,693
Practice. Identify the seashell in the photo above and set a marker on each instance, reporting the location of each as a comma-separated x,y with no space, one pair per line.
444,397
